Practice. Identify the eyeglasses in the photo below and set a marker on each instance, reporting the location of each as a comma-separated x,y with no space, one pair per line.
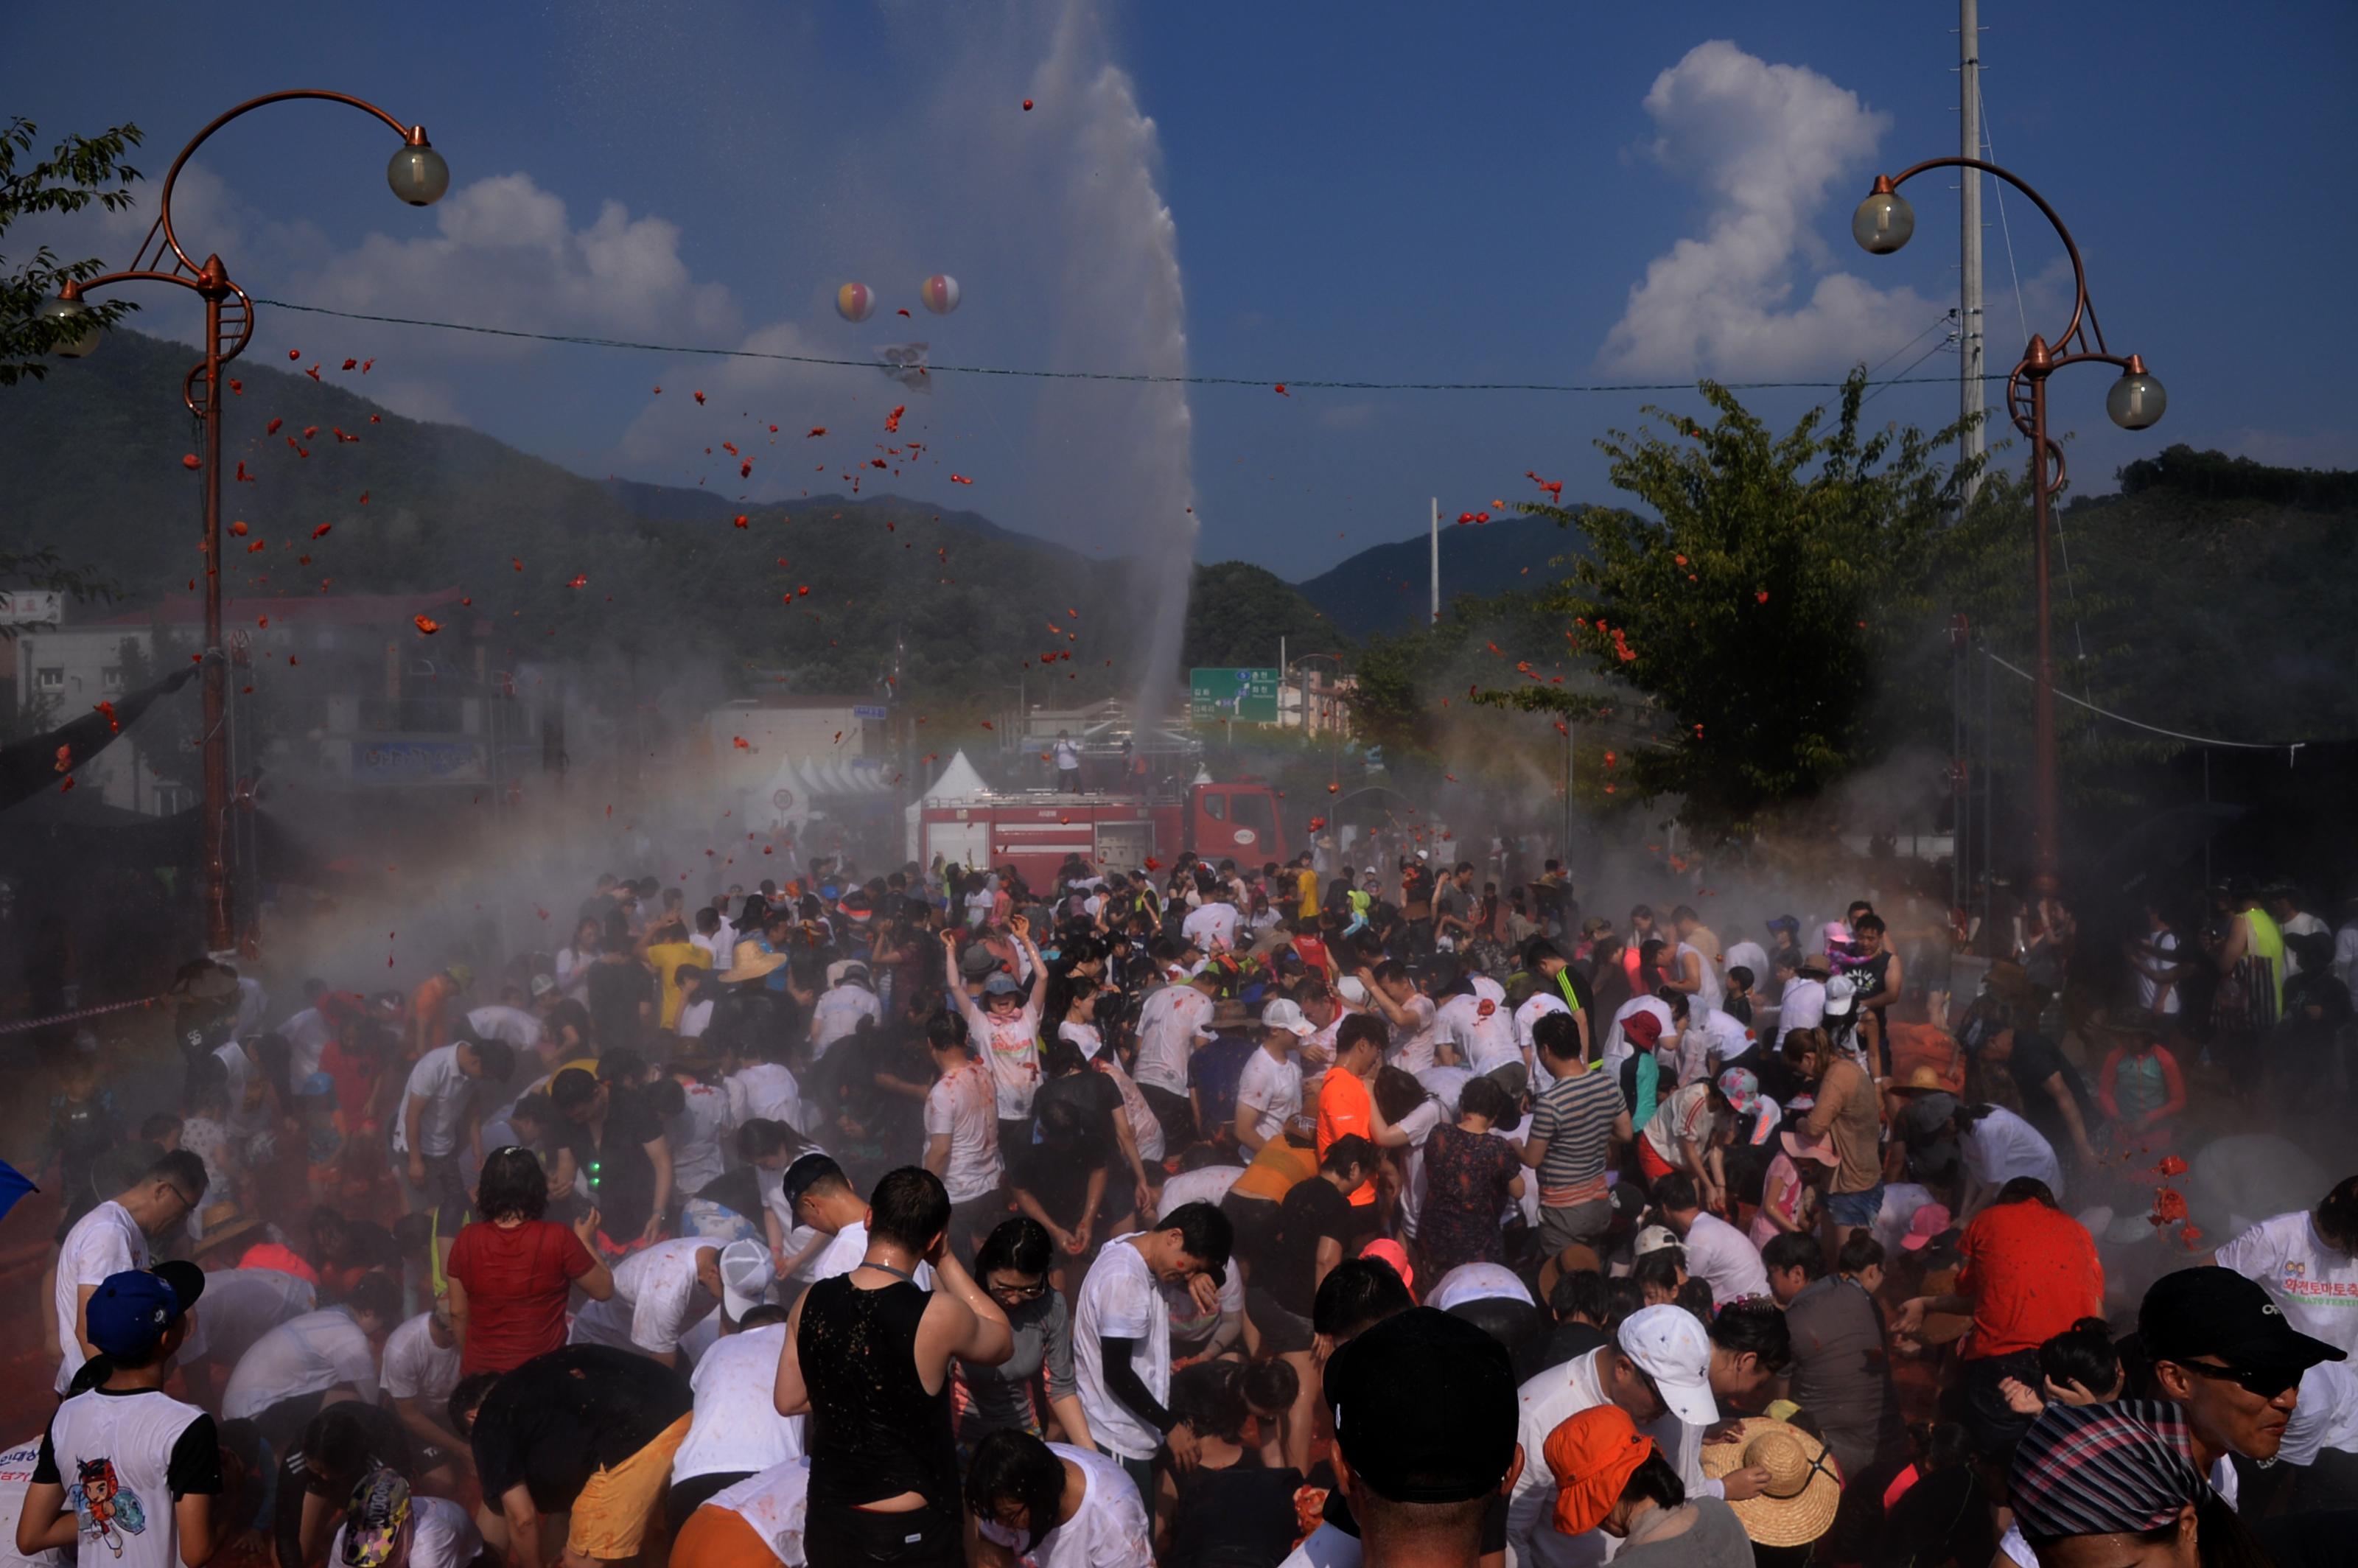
1032,1292
2261,1382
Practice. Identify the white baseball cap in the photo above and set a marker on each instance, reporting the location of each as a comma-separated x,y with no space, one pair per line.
1841,992
1351,990
1669,1344
1283,1014
746,1275
1653,1239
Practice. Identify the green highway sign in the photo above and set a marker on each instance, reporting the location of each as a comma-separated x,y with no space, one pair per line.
1243,695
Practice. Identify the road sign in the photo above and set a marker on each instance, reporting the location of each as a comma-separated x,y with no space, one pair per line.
782,800
1241,696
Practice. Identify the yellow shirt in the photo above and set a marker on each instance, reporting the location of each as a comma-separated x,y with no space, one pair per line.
664,958
1308,885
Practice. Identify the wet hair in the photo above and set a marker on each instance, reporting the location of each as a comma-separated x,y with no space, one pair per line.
1349,1150
1625,1298
1789,1250
2025,1189
666,1097
2083,1354
1557,1035
1358,1027
1210,1398
1356,1294
181,1167
1482,1097
1397,1092
338,1449
1676,1191
2336,1214
379,1295
468,1398
1204,1230
1020,1246
1270,1385
1741,977
763,1315
498,1059
1659,1269
1010,1466
1062,1057
761,1136
512,1185
1859,1253
572,1087
1654,1479
1580,1292
910,1207
947,1032
538,1110
1757,1326
1695,1297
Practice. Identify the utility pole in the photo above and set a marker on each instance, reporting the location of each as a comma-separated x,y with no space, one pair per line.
1970,401
1436,561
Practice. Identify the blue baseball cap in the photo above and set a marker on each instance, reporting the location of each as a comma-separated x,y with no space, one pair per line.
1002,984
130,1311
1784,923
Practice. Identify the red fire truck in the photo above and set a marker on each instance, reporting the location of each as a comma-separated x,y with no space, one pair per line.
967,823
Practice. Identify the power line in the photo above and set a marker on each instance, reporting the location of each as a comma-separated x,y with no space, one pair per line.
1139,377
2291,749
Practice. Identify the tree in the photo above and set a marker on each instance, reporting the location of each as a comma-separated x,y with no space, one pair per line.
1239,614
1760,606
78,171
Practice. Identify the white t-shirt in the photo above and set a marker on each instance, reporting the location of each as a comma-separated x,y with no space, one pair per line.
1803,1005
1480,1027
1145,1126
1119,1299
965,1105
1750,954
1209,1184
513,1024
103,1242
1109,1530
656,1297
16,1474
695,1017
1418,1125
775,1503
1212,928
765,1090
843,1254
838,1013
2327,1416
1616,1047
1170,1023
1477,1282
1536,1005
133,1435
239,1306
1684,1114
2316,1287
695,1136
442,1535
1412,1047
2003,1146
308,1355
437,1081
307,1035
1272,1089
418,1369
1707,1031
737,1425
1009,1047
1712,993
1723,1258
2164,955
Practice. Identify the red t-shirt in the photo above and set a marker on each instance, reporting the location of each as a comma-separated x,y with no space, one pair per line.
1345,1106
516,1281
2031,1272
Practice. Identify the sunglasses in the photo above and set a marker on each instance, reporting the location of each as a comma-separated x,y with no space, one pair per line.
2261,1382
1032,1292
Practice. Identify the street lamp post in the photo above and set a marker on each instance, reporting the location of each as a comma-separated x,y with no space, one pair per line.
1883,224
419,177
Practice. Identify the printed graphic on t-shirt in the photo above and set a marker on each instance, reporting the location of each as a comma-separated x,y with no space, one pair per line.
104,1506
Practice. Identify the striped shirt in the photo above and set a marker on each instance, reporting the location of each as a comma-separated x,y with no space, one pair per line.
1575,1115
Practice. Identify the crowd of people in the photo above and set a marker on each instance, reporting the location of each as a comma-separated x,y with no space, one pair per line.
1239,1216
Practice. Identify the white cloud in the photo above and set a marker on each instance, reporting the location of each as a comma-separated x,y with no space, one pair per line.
506,253
1763,142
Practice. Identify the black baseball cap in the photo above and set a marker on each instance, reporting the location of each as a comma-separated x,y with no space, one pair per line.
1425,1407
2217,1312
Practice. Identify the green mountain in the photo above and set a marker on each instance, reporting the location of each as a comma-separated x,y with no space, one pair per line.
1387,589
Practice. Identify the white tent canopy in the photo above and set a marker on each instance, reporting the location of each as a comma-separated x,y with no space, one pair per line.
959,781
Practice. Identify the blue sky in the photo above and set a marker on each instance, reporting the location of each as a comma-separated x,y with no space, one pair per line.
1371,192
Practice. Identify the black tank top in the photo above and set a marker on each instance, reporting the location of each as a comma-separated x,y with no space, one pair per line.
874,1431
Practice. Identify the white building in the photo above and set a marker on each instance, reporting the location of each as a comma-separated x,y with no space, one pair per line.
64,671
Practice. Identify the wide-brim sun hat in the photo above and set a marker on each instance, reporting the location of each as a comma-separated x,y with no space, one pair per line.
1804,1485
748,962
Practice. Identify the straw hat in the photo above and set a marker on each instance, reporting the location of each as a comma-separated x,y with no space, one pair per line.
1921,1080
748,962
223,1221
1804,1482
